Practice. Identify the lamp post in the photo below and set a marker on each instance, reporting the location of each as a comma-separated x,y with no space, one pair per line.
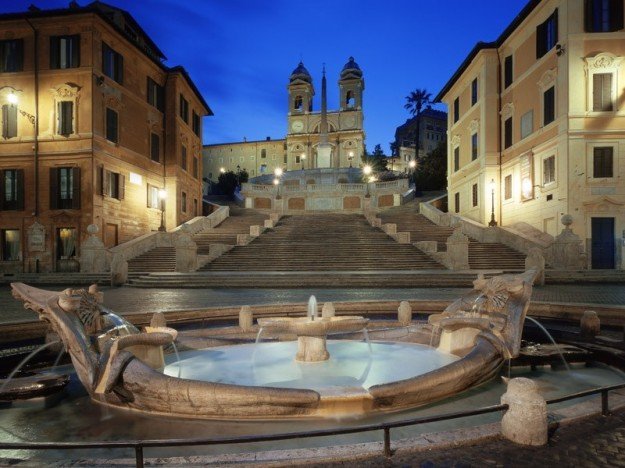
367,172
492,222
412,164
303,158
162,195
276,181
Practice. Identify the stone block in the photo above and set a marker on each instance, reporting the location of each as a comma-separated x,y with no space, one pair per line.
269,224
243,239
376,222
404,313
186,251
426,246
275,217
403,237
458,251
536,261
93,253
525,422
390,228
590,325
119,270
327,311
246,318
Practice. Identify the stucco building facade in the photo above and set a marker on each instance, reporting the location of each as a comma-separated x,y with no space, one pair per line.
432,131
298,150
537,125
93,126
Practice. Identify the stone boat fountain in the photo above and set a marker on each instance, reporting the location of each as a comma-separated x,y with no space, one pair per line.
123,367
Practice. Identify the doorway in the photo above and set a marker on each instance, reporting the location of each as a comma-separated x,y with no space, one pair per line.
110,236
602,243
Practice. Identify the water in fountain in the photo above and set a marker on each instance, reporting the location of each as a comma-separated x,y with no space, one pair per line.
539,325
260,330
312,308
58,359
24,361
178,363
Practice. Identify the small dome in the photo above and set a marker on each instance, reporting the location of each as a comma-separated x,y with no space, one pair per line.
351,68
301,73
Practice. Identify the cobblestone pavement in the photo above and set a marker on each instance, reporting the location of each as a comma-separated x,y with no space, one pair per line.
128,300
594,442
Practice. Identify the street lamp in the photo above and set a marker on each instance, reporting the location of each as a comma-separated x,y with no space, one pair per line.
12,98
303,158
222,170
492,222
367,172
162,195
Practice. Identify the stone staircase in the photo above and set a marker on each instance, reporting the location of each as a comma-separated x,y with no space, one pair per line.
163,259
481,255
322,242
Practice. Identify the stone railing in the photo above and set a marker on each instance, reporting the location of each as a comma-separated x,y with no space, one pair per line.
353,187
394,185
258,188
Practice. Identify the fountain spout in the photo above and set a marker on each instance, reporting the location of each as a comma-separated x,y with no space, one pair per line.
312,308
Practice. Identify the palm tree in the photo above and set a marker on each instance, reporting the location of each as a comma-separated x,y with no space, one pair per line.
416,100
414,103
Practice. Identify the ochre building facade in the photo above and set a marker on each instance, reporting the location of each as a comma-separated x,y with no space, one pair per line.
94,125
537,125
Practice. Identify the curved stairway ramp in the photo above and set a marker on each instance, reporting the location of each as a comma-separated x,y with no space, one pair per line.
481,255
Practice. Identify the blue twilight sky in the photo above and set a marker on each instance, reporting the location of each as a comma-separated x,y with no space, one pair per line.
240,53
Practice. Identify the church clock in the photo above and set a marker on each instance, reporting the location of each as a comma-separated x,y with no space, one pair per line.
297,126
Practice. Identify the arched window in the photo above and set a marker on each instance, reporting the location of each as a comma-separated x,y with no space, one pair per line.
350,102
298,103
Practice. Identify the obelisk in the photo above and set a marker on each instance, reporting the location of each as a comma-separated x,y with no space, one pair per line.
324,149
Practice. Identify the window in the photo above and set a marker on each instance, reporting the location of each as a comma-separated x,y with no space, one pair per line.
549,170
456,158
474,91
547,35
457,202
549,106
196,124
65,51
156,94
12,189
184,109
196,166
602,96
298,103
263,168
508,132
11,247
9,121
64,188
183,157
527,124
112,64
350,102
297,159
263,153
183,202
474,195
602,162
11,55
508,76
112,131
474,148
456,109
153,198
155,147
65,118
507,187
114,185
603,15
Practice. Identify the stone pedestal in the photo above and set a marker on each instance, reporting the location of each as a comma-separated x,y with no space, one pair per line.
525,422
327,311
458,251
590,325
567,250
404,313
186,251
119,270
246,318
311,349
390,228
93,255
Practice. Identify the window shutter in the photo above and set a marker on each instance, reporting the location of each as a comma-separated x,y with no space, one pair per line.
106,182
75,41
119,69
2,194
11,121
121,187
606,92
20,189
76,188
54,52
597,86
54,188
100,180
19,55
616,15
5,121
540,40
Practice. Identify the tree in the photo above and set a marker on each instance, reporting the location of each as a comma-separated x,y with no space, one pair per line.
431,170
416,100
228,181
377,160
414,103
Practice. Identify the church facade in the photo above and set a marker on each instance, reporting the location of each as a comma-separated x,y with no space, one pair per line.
302,146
